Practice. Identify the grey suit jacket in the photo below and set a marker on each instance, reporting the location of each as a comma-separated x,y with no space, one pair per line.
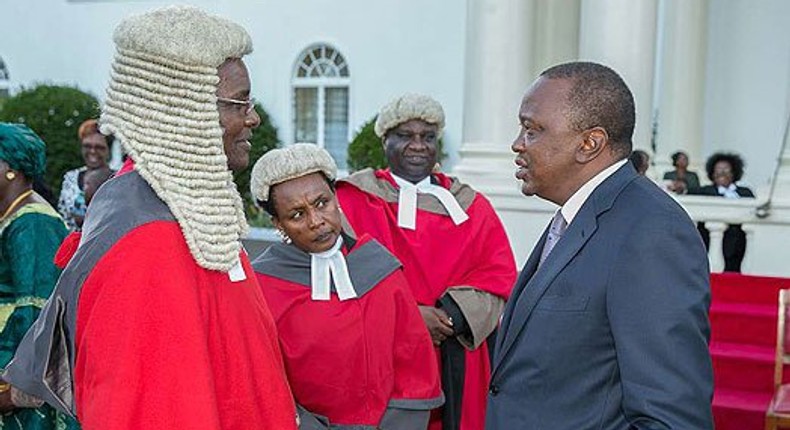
611,332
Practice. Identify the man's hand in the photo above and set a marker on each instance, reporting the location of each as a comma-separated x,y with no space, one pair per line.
678,187
439,324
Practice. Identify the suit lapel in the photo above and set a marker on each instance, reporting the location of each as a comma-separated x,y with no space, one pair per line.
526,274
578,233
533,282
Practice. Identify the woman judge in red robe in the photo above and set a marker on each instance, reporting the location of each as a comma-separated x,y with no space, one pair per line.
356,350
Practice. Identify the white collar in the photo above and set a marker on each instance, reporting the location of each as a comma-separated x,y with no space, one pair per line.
402,183
574,204
407,201
330,265
730,192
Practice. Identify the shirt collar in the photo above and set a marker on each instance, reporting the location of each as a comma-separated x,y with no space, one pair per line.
404,183
731,191
574,204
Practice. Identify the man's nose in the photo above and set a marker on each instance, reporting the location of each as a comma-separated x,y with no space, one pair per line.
253,120
419,142
518,145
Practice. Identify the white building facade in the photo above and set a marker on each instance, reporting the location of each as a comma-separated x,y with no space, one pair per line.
707,75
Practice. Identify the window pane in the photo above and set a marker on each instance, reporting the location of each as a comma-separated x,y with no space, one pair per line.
306,115
336,125
322,62
330,71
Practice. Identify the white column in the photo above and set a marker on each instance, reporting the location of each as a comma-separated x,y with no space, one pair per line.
622,35
556,33
746,264
716,248
498,72
681,81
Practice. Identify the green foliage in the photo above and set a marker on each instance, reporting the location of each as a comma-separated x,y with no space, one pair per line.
264,139
55,114
366,150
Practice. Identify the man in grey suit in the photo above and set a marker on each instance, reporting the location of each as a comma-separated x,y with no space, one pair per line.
607,326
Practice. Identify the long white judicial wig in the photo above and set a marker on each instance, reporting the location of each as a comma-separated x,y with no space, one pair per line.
161,103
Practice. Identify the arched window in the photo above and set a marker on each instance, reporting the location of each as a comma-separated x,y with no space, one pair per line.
4,78
321,100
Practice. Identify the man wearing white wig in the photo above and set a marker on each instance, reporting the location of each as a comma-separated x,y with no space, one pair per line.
157,321
455,254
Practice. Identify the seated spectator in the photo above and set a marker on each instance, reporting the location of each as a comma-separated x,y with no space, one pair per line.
640,160
681,180
95,153
356,350
725,170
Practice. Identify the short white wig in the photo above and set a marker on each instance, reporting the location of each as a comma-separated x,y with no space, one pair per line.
408,107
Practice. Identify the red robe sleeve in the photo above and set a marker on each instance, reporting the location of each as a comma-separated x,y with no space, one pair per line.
147,350
416,369
491,266
67,249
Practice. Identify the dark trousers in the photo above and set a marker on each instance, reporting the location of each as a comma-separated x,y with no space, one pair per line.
733,245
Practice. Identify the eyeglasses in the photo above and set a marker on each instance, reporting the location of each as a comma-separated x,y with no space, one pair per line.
248,104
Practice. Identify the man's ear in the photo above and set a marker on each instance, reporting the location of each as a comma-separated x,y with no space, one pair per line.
593,143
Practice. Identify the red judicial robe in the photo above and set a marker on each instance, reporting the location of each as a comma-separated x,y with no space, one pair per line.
138,336
438,255
352,361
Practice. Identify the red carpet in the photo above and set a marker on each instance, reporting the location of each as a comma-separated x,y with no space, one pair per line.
743,341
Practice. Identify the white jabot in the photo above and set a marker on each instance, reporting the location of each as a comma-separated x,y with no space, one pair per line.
407,201
236,272
332,263
730,192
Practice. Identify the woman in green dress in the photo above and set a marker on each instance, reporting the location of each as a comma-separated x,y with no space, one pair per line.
30,233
